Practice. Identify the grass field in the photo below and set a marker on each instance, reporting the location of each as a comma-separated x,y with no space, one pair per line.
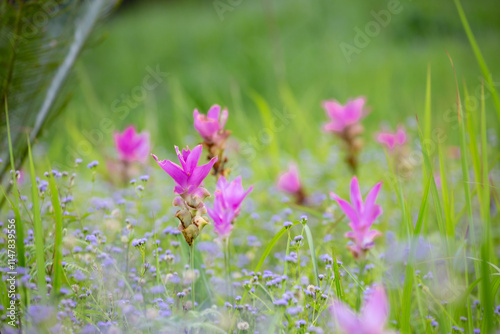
98,250
287,53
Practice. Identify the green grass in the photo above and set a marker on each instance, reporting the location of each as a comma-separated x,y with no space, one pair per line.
57,270
230,62
38,230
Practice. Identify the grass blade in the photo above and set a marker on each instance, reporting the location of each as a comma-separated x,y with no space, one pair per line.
310,241
434,192
58,229
15,203
269,130
485,286
485,217
38,230
479,57
268,249
408,285
271,245
338,278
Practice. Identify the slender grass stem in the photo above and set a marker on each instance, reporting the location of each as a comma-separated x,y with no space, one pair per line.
227,266
285,268
193,279
359,297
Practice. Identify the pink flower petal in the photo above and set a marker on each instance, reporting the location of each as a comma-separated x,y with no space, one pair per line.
386,139
289,181
375,312
353,111
346,319
180,155
401,135
223,118
174,170
346,208
370,210
333,126
207,127
213,112
369,239
333,109
192,159
356,199
201,172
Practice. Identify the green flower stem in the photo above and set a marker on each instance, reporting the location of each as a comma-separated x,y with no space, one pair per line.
191,249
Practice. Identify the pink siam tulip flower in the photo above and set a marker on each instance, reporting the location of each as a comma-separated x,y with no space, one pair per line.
132,146
188,176
341,116
361,216
345,123
371,320
211,129
392,140
211,126
437,180
289,182
227,205
233,193
222,217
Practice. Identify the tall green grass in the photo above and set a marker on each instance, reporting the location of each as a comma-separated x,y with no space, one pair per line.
38,230
57,269
479,57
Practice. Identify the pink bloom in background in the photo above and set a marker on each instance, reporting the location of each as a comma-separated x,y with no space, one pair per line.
227,204
232,193
132,146
361,216
372,318
437,180
343,116
391,140
289,181
188,176
211,126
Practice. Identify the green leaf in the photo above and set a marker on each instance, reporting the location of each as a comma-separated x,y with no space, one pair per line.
36,62
338,278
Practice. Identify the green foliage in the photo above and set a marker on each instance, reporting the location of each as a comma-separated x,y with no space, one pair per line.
39,43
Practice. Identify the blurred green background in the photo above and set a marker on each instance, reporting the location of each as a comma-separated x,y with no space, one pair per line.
258,56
